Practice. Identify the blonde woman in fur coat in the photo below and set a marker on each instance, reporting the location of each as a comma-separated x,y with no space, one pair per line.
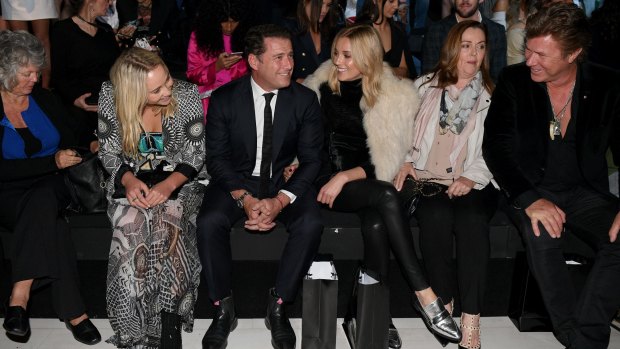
447,151
368,115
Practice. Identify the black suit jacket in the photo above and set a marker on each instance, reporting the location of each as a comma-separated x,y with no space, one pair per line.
517,129
231,136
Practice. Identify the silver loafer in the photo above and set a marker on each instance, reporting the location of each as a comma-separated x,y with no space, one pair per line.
438,320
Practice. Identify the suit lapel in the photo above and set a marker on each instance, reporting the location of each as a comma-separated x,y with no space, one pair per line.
248,119
281,118
541,107
580,103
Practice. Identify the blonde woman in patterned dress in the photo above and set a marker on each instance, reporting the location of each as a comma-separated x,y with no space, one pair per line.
147,120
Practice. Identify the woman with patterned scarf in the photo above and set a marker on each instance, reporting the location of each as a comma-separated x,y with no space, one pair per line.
447,152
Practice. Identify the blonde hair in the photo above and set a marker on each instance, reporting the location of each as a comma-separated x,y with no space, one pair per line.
128,76
367,54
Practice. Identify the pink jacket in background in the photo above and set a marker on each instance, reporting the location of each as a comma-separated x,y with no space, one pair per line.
201,69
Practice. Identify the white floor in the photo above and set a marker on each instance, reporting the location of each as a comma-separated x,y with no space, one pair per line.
498,332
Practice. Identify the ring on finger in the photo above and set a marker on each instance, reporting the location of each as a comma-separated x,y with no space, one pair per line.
134,199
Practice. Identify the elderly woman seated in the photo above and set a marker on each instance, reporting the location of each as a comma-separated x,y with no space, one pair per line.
34,141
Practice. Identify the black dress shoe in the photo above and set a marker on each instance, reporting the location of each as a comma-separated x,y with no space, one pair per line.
282,334
223,323
16,321
85,332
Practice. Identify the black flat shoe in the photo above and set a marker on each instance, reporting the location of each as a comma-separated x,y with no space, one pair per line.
438,321
16,321
85,332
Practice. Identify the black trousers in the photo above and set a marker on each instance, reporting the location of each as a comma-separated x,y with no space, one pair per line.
384,228
463,220
219,212
42,245
578,323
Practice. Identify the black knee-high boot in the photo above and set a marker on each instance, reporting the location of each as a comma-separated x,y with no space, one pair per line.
170,331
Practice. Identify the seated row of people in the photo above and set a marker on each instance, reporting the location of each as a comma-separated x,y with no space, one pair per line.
357,134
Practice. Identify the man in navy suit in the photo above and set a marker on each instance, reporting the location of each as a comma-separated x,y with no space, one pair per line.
258,125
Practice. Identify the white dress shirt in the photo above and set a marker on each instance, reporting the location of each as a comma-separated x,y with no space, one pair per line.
259,116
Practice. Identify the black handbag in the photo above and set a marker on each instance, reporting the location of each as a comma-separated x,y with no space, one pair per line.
150,178
86,183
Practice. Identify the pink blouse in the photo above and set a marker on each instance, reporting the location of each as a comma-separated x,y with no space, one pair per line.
201,69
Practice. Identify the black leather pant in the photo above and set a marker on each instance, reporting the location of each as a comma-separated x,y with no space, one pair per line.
384,228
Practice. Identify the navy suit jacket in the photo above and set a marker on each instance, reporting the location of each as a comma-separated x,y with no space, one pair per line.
516,132
231,136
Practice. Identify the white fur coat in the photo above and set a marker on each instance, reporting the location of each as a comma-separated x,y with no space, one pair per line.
388,124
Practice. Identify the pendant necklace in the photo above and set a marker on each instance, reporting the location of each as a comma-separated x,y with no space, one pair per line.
555,128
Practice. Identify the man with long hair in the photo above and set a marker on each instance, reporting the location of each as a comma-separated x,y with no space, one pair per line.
549,126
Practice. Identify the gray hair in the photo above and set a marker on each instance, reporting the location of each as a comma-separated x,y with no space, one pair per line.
18,49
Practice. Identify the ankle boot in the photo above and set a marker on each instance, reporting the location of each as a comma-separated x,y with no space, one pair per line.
469,328
276,321
224,322
170,331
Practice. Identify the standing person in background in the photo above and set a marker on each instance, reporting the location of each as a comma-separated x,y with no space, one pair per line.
547,133
499,12
447,151
214,55
312,31
465,9
150,126
379,13
3,24
515,35
84,50
605,22
155,20
20,13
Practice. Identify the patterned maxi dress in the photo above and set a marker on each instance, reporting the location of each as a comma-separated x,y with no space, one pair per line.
153,264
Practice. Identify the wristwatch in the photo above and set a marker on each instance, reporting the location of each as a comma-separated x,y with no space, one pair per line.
240,199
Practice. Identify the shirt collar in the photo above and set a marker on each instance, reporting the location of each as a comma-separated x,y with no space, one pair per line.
257,91
479,19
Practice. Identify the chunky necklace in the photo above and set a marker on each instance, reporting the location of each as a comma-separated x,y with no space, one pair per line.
555,128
